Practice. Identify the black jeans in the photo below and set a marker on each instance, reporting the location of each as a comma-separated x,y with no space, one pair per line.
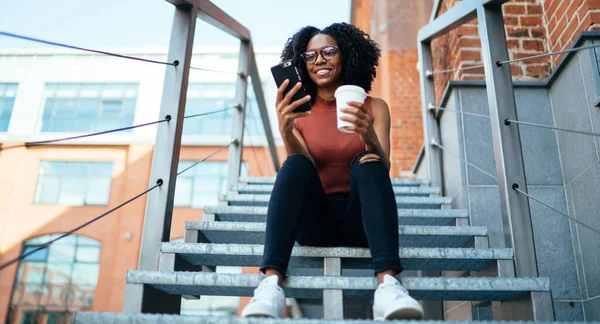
300,211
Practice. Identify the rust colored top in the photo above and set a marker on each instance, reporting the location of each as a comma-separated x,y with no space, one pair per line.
332,150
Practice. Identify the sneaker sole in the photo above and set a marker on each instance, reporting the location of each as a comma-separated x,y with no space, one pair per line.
259,313
404,311
405,314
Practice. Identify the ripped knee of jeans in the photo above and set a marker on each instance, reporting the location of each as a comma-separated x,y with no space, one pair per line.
371,157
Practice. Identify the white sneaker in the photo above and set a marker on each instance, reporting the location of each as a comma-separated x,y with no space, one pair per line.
268,300
393,302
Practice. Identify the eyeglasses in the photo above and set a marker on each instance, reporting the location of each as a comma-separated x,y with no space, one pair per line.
328,53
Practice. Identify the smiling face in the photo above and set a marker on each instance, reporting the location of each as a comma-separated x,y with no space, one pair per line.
324,61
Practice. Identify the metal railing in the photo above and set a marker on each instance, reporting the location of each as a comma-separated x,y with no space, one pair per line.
515,210
159,208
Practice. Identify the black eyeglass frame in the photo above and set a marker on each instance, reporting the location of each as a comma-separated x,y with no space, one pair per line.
336,48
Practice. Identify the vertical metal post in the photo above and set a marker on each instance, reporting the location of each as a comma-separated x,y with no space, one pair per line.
159,206
516,217
333,299
434,310
430,124
239,115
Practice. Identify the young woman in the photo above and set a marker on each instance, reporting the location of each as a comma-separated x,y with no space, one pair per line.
334,189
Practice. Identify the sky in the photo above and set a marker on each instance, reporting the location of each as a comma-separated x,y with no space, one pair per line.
147,23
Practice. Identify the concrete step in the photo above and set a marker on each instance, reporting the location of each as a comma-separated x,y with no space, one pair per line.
430,217
395,181
225,284
443,259
399,191
120,318
410,236
402,202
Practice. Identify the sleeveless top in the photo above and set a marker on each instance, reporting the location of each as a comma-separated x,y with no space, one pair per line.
332,150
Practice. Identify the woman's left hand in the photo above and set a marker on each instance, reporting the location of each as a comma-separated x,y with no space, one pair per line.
362,120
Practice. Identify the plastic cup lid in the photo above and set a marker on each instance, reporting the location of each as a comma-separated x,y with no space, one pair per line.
349,88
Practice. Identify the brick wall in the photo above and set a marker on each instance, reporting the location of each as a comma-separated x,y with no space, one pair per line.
566,19
461,48
532,27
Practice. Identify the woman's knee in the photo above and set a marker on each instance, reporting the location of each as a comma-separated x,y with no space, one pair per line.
366,157
298,161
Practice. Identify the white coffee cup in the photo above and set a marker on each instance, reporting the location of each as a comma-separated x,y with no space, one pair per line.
342,95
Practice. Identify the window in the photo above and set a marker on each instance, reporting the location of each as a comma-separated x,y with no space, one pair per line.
55,282
88,107
74,183
201,185
8,92
207,97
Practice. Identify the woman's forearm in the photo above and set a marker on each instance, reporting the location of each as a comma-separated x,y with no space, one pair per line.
293,145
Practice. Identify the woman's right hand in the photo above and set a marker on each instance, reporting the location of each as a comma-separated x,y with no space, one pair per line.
285,115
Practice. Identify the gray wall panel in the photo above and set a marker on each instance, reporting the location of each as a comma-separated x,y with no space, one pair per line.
485,211
570,111
591,77
451,139
586,205
540,150
592,310
568,311
477,136
554,244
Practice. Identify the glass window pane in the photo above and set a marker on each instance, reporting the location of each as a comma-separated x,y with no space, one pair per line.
67,90
63,283
50,167
183,192
74,183
38,256
61,253
85,274
88,107
111,107
76,169
88,254
202,199
84,241
59,273
99,168
33,273
98,191
182,166
65,108
39,240
47,190
71,192
113,91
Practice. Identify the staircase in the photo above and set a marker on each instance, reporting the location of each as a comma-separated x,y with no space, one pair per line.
433,238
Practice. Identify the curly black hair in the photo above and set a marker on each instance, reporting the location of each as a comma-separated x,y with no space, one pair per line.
360,54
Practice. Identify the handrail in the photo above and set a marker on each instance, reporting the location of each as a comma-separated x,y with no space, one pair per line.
213,15
159,207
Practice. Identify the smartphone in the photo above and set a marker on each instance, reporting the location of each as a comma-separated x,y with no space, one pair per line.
287,70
